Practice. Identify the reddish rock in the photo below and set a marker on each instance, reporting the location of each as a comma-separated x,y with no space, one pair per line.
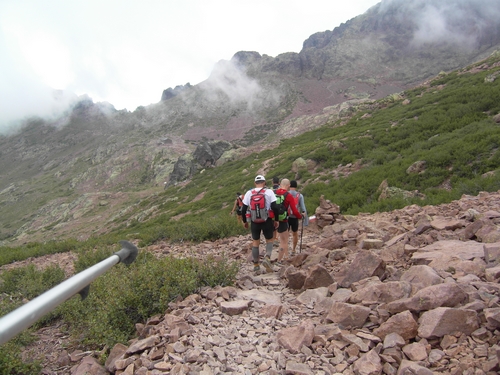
403,324
348,315
445,321
365,264
318,276
294,338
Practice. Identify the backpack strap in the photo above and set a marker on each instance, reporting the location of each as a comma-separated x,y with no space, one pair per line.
284,196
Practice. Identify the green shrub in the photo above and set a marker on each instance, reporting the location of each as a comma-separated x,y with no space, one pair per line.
196,228
28,282
11,362
9,255
17,286
126,295
87,257
118,299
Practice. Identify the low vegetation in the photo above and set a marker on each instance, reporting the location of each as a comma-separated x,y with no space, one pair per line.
120,298
451,125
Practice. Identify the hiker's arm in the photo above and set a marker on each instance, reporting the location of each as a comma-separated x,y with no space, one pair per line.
244,213
234,206
302,204
274,208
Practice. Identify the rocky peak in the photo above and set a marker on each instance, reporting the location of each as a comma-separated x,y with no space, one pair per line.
171,92
244,58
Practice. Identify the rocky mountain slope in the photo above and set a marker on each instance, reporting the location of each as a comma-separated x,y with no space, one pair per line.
61,177
409,291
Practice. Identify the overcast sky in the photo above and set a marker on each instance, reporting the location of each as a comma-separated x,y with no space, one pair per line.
127,52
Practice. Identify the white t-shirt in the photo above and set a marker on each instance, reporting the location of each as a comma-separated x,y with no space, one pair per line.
269,194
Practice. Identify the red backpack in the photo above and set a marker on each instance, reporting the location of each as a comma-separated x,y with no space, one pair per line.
296,203
258,211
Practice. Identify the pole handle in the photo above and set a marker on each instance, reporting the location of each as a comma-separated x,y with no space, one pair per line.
128,253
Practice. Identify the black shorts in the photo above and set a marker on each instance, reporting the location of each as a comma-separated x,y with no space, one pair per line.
267,228
293,223
283,227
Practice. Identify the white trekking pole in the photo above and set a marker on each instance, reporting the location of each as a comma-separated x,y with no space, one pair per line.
23,317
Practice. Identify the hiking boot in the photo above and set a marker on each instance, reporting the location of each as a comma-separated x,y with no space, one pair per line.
256,269
267,265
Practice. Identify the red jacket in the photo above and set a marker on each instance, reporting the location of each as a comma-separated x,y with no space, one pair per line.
289,202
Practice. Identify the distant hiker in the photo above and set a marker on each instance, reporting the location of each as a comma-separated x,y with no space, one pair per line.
283,197
259,207
293,221
238,206
276,183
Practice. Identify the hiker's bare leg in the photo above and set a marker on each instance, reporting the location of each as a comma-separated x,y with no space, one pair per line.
283,252
295,241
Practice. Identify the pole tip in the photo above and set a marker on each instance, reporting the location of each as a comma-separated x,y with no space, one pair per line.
128,253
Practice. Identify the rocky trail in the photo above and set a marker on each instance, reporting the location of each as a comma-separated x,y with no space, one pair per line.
412,291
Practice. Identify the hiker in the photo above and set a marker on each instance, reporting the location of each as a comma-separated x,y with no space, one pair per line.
293,221
276,184
238,205
259,207
282,195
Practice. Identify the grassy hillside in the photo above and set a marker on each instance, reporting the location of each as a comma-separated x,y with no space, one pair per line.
448,123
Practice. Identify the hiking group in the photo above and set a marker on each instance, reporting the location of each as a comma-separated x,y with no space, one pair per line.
270,213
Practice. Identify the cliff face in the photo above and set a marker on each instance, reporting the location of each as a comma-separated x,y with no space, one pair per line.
403,42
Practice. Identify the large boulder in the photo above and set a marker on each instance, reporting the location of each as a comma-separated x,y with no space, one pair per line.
366,264
184,168
446,321
207,153
446,294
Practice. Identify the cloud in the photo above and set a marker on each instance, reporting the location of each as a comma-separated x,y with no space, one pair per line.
229,78
464,23
127,53
27,95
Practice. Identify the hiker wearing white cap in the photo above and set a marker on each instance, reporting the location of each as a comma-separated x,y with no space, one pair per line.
259,207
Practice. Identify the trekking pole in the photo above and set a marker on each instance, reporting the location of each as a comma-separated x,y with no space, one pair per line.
301,231
23,317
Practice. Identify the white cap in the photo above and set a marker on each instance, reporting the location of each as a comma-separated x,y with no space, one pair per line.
260,178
